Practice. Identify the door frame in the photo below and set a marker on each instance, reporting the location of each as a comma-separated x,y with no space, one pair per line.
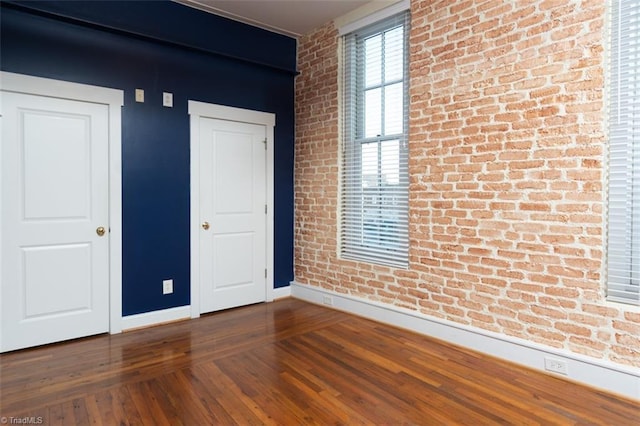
114,99
198,110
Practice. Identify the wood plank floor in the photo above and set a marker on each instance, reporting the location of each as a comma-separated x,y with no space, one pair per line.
287,363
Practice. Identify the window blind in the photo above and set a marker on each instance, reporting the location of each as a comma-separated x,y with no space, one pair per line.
623,245
374,177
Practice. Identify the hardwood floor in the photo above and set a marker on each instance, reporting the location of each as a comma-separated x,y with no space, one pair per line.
288,363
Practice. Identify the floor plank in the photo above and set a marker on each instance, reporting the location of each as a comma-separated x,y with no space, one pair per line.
288,362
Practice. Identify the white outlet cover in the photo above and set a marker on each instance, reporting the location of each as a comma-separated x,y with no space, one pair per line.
556,365
167,99
167,286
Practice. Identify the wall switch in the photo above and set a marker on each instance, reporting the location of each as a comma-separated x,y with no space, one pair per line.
167,286
139,95
556,365
167,99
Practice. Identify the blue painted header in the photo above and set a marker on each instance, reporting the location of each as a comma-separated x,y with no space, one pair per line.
155,139
167,21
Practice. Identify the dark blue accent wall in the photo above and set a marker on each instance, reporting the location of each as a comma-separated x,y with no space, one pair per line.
160,47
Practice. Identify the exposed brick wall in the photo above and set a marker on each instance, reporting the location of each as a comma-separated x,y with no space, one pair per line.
507,152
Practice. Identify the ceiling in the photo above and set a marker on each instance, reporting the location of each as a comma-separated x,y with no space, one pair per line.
290,17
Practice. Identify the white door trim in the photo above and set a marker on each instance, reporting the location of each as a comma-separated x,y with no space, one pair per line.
114,99
220,112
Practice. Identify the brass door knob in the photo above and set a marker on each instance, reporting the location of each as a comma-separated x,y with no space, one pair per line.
100,231
205,225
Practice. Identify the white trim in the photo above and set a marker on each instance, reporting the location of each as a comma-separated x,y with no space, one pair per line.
221,112
114,98
148,319
194,230
281,292
374,17
115,217
270,206
19,83
590,371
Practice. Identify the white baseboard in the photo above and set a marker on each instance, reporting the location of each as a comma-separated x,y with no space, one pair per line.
148,319
281,292
590,371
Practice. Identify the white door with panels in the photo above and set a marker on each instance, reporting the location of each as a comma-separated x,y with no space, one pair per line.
55,219
232,213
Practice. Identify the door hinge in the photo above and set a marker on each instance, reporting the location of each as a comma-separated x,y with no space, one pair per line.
265,144
265,209
265,272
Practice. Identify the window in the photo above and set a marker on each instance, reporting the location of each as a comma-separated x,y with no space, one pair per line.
375,179
623,247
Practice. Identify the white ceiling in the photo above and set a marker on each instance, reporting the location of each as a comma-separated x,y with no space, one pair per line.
290,17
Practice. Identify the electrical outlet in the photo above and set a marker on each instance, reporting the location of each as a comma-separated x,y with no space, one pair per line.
167,99
556,365
167,286
327,300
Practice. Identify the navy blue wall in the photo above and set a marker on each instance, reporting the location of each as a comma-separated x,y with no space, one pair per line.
162,46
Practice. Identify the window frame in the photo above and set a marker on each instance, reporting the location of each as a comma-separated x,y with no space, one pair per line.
382,245
623,166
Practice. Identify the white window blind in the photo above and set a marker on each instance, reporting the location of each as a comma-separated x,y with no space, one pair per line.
623,247
375,180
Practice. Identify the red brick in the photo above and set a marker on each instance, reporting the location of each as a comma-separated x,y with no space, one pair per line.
507,137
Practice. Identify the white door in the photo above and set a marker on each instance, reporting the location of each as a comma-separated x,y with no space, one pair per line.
232,214
55,188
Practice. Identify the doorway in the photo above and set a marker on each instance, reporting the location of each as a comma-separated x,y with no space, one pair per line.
61,212
231,207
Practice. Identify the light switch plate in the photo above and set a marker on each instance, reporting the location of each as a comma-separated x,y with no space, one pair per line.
139,95
167,99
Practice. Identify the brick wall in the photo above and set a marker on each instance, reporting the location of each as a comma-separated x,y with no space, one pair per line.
507,153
